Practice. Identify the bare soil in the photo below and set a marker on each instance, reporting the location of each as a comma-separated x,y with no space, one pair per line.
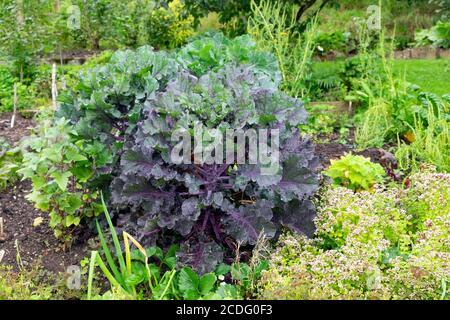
21,127
333,149
26,245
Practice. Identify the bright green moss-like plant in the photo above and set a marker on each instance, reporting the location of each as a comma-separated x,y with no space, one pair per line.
355,172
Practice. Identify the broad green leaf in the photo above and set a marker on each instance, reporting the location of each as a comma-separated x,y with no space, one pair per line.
188,282
61,179
73,155
206,283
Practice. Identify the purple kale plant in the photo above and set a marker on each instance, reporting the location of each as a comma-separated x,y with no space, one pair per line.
214,207
135,103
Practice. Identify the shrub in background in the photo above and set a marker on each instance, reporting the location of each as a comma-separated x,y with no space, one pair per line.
34,93
25,95
327,42
437,36
169,27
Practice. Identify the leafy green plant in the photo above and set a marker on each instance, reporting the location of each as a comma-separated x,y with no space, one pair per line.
134,268
213,51
247,276
26,94
6,89
10,159
438,36
355,172
59,170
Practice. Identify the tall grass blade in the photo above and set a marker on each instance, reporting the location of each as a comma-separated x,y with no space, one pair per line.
91,273
115,238
108,255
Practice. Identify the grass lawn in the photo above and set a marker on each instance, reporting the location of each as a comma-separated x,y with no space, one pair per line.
429,75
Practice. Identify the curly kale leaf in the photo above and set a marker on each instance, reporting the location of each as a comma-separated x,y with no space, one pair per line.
298,216
201,254
248,222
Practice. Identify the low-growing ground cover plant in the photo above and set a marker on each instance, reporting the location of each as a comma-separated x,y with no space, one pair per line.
34,283
121,119
392,243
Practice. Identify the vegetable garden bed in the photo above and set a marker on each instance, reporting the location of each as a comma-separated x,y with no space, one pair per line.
184,164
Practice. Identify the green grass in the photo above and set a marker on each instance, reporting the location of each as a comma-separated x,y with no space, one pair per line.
327,67
429,75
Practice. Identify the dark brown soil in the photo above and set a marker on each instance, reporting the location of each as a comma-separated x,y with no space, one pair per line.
35,245
333,149
21,127
328,147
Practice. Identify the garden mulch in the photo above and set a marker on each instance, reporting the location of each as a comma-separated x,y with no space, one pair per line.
24,243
